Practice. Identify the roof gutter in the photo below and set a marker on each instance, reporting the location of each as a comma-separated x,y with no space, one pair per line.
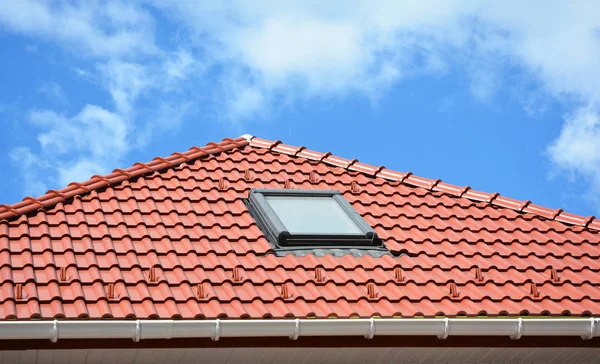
586,328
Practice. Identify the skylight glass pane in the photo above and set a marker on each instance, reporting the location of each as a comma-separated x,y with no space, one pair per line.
312,215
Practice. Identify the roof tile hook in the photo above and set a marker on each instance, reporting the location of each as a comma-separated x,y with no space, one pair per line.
285,292
453,290
478,275
111,291
19,291
354,187
554,275
236,275
288,184
221,185
247,175
319,275
152,275
200,291
398,275
371,293
533,290
313,177
63,274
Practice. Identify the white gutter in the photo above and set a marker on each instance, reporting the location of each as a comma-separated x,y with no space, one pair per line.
586,328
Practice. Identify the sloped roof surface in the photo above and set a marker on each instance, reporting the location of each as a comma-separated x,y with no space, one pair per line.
173,239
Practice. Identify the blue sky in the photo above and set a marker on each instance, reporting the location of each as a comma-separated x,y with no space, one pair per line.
502,98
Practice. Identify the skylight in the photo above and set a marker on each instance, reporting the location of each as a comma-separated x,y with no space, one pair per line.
312,215
292,219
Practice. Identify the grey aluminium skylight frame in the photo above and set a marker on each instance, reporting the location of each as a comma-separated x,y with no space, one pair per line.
276,232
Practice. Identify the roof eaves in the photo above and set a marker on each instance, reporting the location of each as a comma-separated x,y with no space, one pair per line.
411,180
53,197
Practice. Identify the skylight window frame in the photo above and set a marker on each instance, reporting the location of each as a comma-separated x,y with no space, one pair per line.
282,239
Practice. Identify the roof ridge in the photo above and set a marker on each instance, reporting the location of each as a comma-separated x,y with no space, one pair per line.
432,185
53,197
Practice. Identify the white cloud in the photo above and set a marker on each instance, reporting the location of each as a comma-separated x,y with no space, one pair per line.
31,168
80,170
179,65
577,149
326,54
368,46
53,91
94,130
100,30
245,100
74,148
125,81
82,73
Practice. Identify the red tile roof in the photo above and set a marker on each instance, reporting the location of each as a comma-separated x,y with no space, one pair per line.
173,239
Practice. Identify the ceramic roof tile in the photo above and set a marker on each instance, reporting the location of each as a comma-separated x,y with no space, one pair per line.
173,238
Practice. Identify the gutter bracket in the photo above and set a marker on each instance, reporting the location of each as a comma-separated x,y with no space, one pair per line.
296,330
592,332
444,336
519,333
217,331
138,331
54,331
371,329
